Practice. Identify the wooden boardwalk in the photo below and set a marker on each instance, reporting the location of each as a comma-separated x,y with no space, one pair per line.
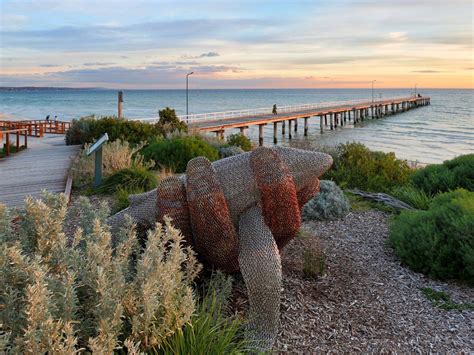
43,166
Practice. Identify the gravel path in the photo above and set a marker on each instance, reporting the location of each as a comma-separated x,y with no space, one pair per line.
366,302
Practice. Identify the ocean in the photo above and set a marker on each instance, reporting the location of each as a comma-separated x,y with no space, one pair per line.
429,134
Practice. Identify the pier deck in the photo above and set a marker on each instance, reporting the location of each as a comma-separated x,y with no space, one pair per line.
336,113
43,166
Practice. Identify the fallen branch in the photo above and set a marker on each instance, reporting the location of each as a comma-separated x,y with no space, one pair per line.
384,198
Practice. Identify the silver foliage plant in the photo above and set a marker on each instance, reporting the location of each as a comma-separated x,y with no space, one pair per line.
91,291
330,203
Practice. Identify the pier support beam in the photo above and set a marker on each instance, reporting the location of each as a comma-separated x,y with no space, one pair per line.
260,134
275,130
331,125
326,119
283,124
306,126
289,129
296,124
321,123
242,130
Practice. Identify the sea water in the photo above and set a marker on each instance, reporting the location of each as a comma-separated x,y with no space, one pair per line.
428,134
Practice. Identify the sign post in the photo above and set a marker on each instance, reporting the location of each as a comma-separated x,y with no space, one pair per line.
97,149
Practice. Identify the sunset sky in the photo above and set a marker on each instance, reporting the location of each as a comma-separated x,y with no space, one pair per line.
237,44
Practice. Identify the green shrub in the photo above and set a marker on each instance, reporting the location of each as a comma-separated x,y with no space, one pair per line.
92,291
131,179
411,195
229,151
88,130
210,330
452,174
329,203
239,140
355,166
169,122
175,152
438,242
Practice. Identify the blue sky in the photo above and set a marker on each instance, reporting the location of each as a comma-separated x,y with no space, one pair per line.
229,44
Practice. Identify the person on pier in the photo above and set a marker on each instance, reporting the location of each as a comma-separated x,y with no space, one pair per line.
274,111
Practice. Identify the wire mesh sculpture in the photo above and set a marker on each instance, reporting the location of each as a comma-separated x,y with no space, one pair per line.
237,213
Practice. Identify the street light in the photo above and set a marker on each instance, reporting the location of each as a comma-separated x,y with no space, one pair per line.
373,81
415,88
187,112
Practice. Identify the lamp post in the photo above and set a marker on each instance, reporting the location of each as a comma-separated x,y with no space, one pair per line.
415,88
373,81
187,112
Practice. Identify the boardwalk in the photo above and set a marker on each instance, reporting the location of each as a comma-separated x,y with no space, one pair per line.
44,165
329,114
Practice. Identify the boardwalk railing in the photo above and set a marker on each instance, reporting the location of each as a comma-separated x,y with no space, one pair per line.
17,132
202,117
36,128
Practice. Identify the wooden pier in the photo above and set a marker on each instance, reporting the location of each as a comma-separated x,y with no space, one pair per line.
330,115
43,166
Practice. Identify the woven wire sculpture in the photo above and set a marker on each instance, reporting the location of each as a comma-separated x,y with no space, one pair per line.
237,213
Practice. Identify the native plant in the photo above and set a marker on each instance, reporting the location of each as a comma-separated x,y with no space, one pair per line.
355,166
175,152
438,242
330,203
239,140
116,156
452,174
89,289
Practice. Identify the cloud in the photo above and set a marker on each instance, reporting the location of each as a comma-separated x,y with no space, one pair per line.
97,64
428,71
48,65
209,54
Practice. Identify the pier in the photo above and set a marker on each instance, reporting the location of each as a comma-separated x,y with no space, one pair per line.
330,116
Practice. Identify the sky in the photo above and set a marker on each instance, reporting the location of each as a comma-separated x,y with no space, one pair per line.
147,44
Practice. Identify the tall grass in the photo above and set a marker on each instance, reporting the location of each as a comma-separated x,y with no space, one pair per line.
211,330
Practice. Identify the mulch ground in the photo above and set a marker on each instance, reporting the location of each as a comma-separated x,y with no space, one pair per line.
366,301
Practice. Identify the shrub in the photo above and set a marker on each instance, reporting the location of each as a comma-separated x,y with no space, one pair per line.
411,195
88,130
239,140
438,242
169,122
229,151
92,290
116,156
314,261
329,203
355,166
443,300
452,174
130,179
210,331
174,153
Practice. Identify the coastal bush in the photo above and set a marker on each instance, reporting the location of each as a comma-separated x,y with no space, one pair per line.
452,174
229,151
90,291
116,156
239,140
210,331
412,196
330,203
136,179
88,130
175,152
355,166
169,122
438,242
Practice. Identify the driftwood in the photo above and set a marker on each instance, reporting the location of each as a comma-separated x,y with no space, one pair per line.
384,198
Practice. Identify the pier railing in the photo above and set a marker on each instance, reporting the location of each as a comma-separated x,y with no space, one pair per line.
211,116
